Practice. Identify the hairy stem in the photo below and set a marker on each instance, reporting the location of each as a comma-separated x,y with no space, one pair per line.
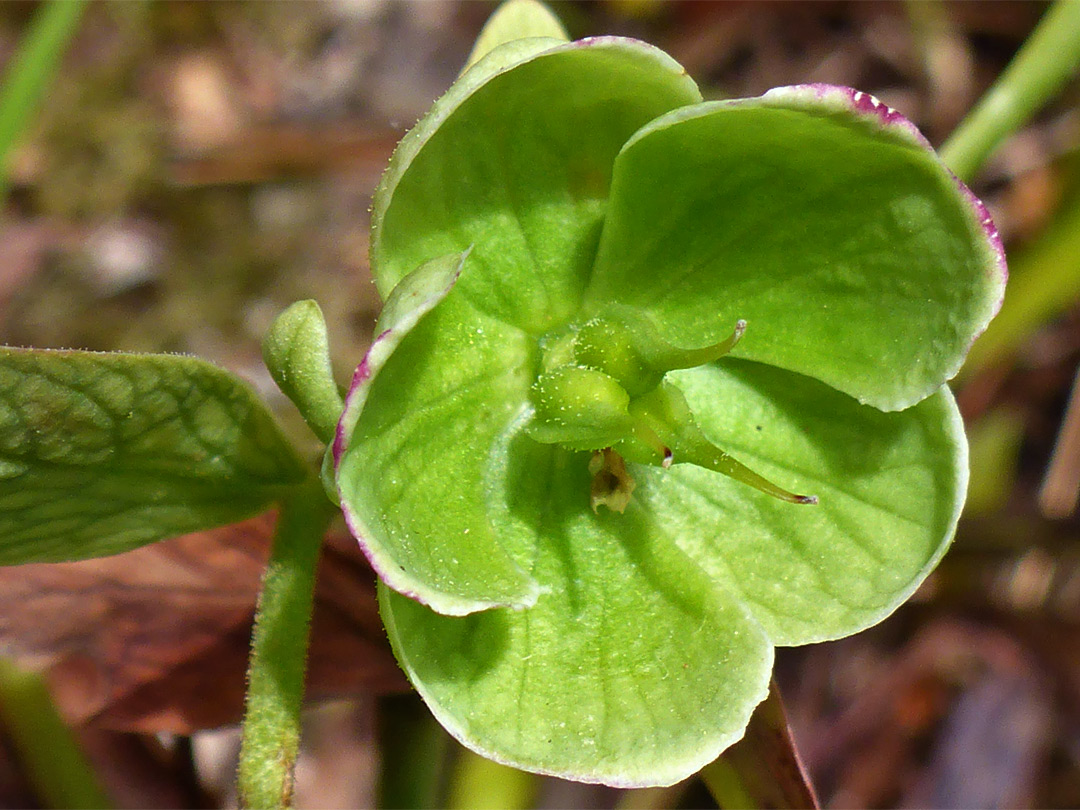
271,733
1046,61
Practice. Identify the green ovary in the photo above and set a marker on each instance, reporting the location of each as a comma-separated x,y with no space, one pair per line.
602,389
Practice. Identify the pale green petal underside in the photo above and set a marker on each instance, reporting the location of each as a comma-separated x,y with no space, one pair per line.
102,453
633,668
891,486
411,481
852,253
517,164
516,20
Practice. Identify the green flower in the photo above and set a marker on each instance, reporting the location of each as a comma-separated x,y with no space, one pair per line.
572,475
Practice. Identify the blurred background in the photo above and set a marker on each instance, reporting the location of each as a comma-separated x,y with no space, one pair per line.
196,167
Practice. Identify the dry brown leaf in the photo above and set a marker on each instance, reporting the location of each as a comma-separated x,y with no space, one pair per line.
156,639
766,761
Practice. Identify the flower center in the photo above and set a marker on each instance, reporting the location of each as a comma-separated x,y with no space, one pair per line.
602,388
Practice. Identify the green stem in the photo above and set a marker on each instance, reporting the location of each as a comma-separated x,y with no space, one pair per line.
478,783
29,73
657,798
1046,61
271,733
48,752
415,755
726,785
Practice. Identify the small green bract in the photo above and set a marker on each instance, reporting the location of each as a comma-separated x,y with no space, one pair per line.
574,472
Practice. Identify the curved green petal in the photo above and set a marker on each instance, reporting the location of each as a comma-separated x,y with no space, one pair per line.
515,161
439,385
819,216
891,486
633,669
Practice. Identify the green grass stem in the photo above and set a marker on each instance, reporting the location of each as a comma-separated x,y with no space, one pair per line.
29,72
1040,69
47,750
416,754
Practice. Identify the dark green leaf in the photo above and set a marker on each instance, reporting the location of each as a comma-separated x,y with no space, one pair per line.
101,453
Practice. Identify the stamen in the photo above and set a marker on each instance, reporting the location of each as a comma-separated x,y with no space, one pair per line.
692,358
719,461
665,413
646,435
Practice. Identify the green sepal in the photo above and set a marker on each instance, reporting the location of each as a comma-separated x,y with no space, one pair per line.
633,669
102,453
890,487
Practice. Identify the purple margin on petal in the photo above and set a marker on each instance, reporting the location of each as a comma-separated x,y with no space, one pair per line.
413,298
360,376
386,341
865,104
380,570
982,214
363,374
888,118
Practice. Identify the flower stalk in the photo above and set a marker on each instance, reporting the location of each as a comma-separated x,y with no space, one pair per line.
271,730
